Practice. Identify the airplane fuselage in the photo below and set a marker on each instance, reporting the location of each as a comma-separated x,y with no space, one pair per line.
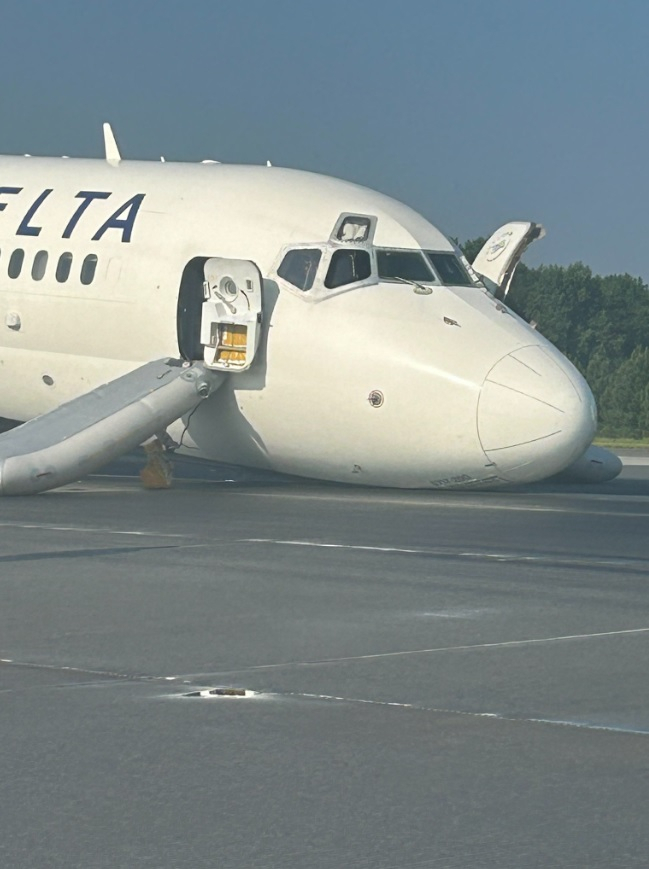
378,381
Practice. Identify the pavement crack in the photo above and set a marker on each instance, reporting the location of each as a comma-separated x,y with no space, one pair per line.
83,671
83,553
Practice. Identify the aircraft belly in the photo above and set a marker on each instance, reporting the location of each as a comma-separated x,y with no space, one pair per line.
360,423
398,456
391,401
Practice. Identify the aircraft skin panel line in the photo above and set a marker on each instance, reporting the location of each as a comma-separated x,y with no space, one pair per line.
81,436
349,340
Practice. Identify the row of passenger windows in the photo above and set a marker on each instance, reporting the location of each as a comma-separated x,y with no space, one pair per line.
349,266
63,266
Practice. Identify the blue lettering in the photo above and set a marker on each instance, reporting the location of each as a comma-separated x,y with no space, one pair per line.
25,228
87,196
3,205
124,223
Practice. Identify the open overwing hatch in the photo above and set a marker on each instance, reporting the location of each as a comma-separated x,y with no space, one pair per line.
498,258
231,315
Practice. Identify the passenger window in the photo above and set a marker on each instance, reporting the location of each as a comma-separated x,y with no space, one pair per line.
299,267
63,267
348,267
39,265
16,262
88,268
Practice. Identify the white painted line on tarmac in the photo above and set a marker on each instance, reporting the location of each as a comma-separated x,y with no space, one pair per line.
430,498
97,489
130,678
446,553
501,645
449,500
459,613
599,496
84,671
335,545
411,652
41,526
493,715
634,460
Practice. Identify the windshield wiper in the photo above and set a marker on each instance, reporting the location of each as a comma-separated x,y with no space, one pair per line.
420,289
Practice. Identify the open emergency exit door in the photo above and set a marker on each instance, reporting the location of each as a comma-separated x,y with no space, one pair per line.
497,260
231,314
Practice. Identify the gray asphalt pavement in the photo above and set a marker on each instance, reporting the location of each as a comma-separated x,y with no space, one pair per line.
440,679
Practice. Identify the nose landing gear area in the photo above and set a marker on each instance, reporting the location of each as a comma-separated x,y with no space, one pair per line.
629,477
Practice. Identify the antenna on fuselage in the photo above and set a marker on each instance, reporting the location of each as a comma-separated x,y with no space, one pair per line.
110,144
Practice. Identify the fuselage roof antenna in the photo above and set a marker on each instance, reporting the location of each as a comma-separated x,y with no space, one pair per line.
112,151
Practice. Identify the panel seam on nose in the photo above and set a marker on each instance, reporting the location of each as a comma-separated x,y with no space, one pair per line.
506,356
525,394
488,450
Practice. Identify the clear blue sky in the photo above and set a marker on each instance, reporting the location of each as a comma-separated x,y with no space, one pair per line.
473,112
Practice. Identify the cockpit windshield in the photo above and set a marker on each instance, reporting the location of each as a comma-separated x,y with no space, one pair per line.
450,270
423,266
299,267
309,268
407,265
348,266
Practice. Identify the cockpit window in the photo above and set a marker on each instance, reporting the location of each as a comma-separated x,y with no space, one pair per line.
410,265
354,229
299,267
450,269
348,267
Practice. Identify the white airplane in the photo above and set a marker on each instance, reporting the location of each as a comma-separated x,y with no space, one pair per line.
279,319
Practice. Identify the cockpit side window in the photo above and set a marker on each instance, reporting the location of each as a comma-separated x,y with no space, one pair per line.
450,269
348,266
409,265
299,267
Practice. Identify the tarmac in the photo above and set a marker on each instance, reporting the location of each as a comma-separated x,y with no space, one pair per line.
431,679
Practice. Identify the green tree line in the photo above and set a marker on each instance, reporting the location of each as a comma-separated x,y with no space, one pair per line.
601,323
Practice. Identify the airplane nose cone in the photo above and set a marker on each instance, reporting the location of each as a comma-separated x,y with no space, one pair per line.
536,414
